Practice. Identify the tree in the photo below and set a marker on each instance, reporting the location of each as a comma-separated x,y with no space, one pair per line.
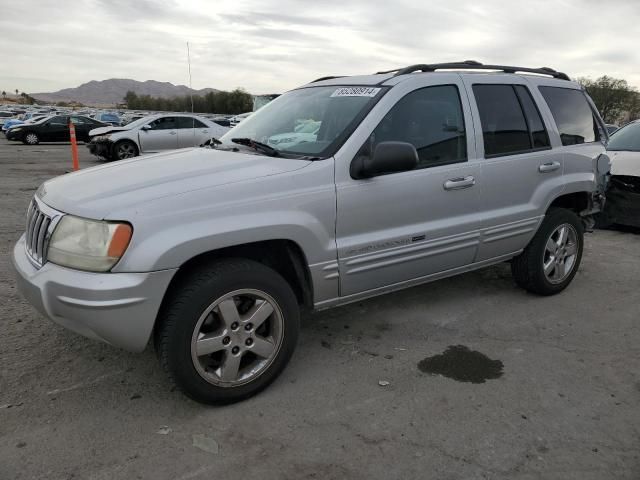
4,95
237,101
612,96
16,92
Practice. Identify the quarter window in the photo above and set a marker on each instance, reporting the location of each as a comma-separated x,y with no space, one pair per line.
431,119
504,127
572,114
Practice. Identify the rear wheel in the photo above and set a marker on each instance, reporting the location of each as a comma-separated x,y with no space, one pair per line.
551,260
228,330
125,149
31,138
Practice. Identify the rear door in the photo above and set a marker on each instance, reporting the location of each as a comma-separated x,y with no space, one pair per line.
163,135
520,170
191,132
403,226
82,126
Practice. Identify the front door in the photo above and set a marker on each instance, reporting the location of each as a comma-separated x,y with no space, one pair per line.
163,135
56,130
403,226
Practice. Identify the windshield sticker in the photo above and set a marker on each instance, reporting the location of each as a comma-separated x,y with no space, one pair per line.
355,92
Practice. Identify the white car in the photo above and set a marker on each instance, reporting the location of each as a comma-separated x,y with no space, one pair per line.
623,194
151,134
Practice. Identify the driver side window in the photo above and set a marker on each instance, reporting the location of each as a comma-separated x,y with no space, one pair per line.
432,120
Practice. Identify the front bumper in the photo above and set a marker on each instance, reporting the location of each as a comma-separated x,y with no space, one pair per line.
12,135
116,308
101,148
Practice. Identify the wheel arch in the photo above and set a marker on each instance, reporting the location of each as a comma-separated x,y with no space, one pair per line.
282,255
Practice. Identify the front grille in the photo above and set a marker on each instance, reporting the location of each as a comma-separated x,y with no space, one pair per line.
37,234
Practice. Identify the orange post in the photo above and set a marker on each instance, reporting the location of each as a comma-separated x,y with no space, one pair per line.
74,146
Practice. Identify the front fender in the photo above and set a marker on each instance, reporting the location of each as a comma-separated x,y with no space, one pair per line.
299,206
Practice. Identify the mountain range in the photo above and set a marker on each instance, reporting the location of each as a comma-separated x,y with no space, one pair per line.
113,90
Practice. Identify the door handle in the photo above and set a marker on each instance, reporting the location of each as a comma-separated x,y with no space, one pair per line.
205,131
459,183
173,132
549,167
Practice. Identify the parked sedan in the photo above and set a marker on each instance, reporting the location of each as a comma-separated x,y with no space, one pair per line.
153,134
53,129
623,195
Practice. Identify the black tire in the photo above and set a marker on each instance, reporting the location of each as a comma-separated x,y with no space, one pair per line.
117,153
184,307
527,268
27,136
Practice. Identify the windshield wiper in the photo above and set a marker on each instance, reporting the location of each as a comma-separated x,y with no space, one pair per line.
258,146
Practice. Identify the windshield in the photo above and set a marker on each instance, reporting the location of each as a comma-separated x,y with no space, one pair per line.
627,138
312,121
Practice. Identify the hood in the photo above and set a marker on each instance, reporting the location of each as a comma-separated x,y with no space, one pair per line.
96,191
107,129
625,163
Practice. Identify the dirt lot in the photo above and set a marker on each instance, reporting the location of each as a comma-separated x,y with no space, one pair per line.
562,404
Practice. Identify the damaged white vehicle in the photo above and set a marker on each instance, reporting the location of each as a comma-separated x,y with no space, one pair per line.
623,195
152,134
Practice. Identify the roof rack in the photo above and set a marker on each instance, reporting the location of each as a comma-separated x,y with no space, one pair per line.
473,65
326,78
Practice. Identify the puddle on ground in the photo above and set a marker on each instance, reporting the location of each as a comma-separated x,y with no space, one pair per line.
461,364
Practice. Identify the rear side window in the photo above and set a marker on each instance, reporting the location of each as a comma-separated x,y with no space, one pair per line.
572,114
510,120
431,119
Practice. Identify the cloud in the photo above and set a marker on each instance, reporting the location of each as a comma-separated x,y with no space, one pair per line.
271,46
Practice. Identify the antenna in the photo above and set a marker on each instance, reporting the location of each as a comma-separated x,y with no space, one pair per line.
190,87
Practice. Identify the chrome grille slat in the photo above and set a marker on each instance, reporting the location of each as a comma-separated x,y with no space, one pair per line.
44,227
37,234
30,217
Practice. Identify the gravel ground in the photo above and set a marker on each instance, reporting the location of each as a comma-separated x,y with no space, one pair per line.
560,401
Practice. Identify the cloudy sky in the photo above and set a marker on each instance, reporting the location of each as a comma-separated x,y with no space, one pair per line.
270,46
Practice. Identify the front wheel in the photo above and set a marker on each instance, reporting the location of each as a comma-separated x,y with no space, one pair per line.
227,330
551,260
125,149
31,138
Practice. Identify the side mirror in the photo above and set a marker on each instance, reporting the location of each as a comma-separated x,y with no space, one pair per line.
388,157
146,127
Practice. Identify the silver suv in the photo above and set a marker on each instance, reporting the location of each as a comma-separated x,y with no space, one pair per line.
410,176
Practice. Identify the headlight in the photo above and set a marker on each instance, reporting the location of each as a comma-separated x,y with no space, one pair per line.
101,138
90,245
15,129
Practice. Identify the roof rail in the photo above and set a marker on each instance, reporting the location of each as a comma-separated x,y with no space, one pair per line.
326,78
473,65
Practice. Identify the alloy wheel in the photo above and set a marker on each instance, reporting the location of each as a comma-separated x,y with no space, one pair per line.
560,253
237,337
126,150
